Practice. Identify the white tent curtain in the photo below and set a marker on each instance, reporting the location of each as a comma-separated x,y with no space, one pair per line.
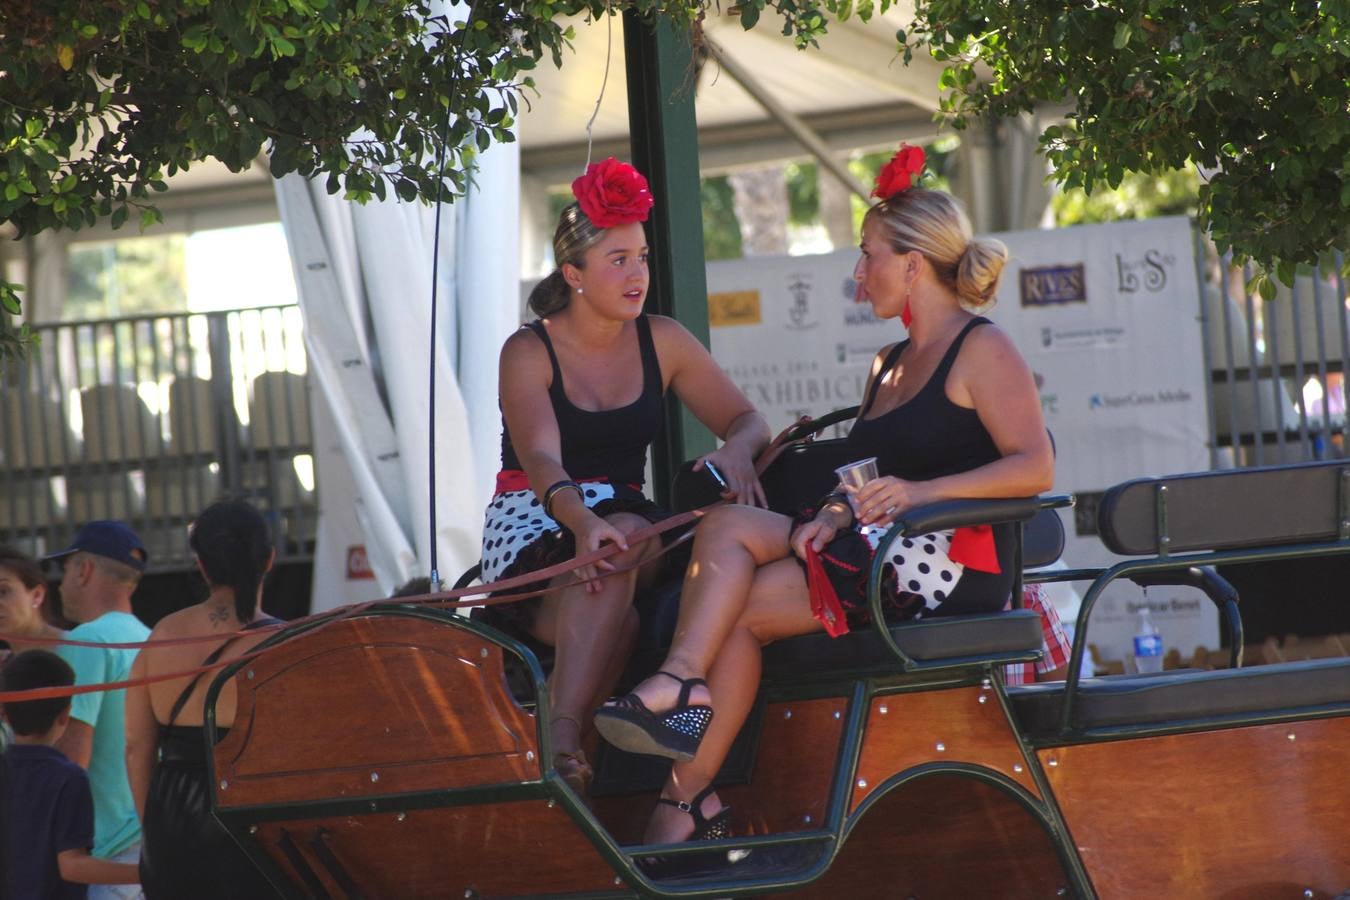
364,281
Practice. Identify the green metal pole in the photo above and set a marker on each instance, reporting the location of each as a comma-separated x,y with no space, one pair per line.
664,136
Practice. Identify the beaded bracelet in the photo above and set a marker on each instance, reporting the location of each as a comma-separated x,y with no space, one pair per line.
564,485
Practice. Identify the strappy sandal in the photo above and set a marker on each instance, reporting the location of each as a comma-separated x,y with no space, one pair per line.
575,770
628,724
705,829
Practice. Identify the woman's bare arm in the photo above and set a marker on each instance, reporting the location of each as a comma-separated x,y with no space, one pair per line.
141,730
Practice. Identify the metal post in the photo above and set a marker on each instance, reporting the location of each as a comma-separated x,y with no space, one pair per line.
222,392
665,148
1206,354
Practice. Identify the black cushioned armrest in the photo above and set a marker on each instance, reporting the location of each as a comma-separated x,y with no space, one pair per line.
955,513
1227,509
1121,700
1011,636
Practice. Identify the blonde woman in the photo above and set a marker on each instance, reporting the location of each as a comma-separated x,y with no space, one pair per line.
949,412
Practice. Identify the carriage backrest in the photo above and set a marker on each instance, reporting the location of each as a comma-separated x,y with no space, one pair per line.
389,702
1226,510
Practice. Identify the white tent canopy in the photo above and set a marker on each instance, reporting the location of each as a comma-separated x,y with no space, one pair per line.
373,264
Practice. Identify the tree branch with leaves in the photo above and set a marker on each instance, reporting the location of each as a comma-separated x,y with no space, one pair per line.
102,100
1256,93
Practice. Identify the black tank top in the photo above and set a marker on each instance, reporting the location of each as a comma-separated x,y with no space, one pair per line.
928,436
607,443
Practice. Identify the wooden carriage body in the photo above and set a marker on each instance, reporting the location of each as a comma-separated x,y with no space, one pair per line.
399,753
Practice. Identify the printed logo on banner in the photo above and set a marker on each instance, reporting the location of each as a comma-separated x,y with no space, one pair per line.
734,308
1139,398
1095,337
358,564
1148,272
1053,285
1049,401
800,317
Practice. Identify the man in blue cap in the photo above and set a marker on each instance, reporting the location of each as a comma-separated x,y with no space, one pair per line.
99,573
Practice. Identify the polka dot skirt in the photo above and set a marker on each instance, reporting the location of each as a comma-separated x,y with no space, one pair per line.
920,564
516,519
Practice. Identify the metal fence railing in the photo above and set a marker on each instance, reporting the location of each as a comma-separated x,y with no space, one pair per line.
1277,368
149,419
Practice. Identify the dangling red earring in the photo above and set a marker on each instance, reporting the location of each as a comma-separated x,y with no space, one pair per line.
906,315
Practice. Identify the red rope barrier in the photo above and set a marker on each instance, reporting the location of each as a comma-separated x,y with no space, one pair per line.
452,599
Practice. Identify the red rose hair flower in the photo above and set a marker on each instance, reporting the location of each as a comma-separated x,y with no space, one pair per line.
612,193
901,173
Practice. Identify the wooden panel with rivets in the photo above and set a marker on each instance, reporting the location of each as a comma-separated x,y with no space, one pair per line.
944,836
1253,812
794,766
964,724
373,706
520,848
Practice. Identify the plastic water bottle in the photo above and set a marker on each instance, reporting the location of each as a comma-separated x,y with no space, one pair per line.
1148,645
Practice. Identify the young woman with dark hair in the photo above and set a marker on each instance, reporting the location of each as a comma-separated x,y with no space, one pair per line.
185,852
583,391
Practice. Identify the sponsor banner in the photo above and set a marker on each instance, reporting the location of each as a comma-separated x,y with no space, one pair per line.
1105,315
1051,285
358,564
809,348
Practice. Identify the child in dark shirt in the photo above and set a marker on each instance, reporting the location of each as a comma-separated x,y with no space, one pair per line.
48,812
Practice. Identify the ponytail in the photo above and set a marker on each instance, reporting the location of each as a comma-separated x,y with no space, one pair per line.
551,295
574,235
234,545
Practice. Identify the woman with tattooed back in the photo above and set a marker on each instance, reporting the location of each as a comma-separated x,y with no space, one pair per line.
185,852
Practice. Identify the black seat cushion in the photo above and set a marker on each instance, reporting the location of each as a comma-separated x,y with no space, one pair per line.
1006,637
1122,700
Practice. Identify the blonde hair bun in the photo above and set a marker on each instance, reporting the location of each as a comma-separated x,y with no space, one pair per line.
978,271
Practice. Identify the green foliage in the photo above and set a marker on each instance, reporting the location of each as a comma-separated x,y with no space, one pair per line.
1257,91
721,228
145,274
1139,196
101,101
803,190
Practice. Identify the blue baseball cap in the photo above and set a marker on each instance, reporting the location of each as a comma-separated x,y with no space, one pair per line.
108,538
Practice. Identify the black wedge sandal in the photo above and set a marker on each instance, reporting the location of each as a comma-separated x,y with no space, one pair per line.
628,724
705,829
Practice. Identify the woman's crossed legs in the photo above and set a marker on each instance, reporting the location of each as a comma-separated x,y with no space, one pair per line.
743,590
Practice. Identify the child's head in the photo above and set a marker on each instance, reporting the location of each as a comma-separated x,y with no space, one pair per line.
35,669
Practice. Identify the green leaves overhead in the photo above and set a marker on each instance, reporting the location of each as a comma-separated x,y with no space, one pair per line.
101,102
1254,92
